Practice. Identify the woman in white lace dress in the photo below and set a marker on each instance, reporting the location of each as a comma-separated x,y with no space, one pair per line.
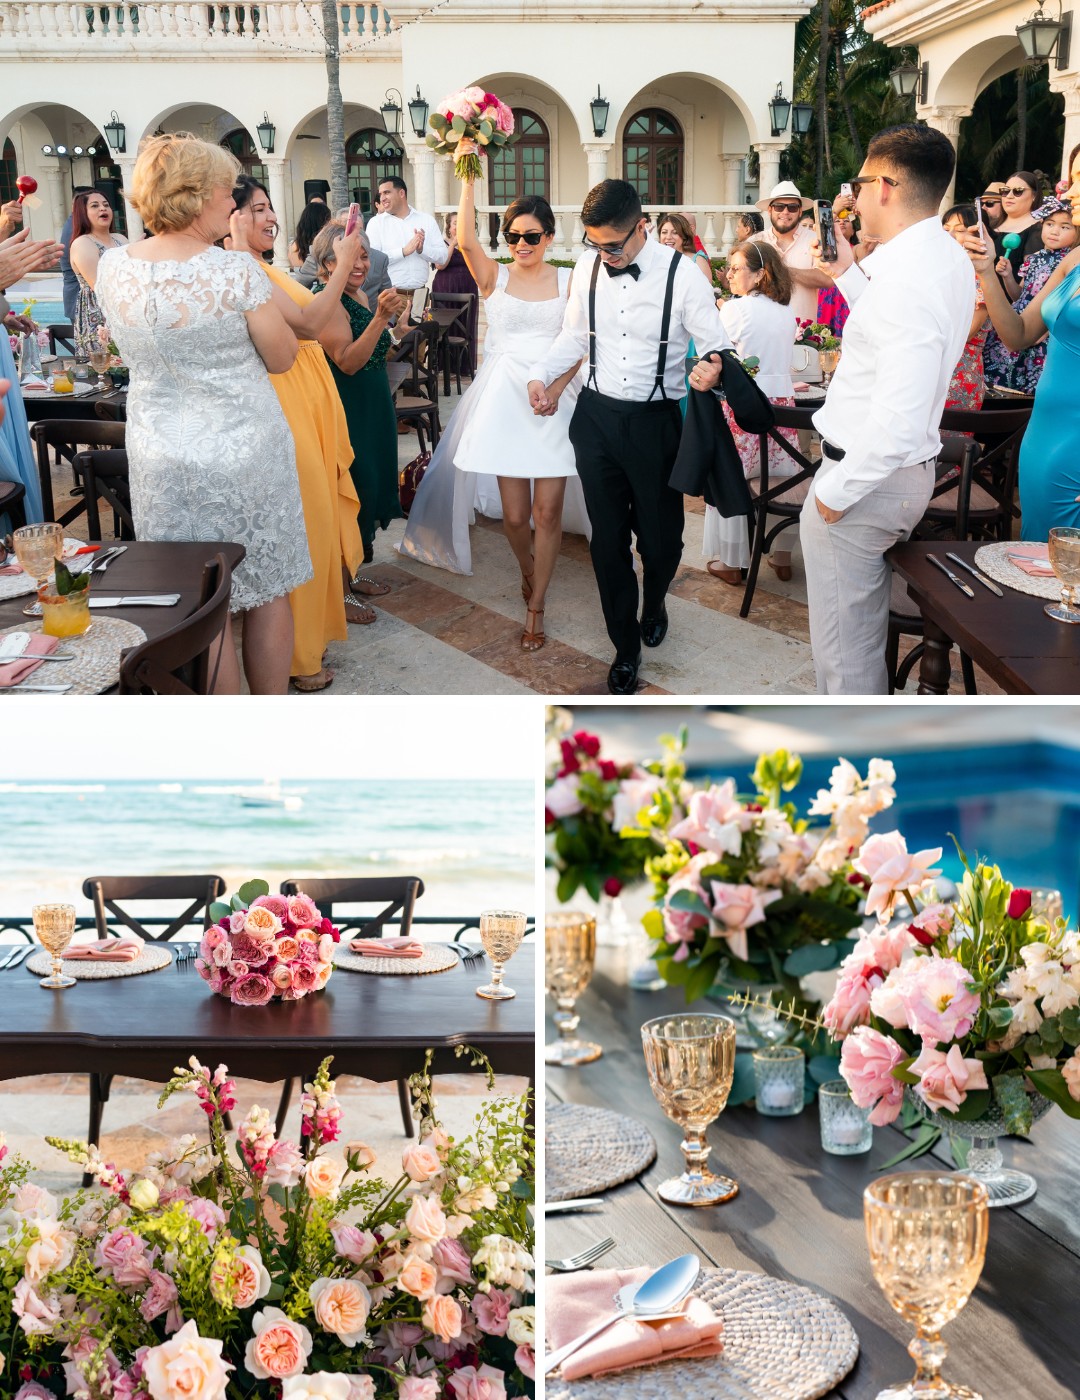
493,429
211,456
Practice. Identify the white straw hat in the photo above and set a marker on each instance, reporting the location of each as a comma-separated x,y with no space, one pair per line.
786,189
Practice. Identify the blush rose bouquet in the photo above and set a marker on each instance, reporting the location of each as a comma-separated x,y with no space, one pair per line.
266,946
266,1268
476,114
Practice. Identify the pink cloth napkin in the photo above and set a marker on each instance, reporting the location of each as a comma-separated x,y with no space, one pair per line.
386,948
12,672
125,949
575,1302
10,570
1032,559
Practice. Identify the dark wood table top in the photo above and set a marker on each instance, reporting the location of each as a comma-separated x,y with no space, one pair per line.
147,568
798,1216
45,404
1011,638
376,1026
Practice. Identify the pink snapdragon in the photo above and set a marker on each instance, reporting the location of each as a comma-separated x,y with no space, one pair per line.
867,1061
946,1079
892,871
256,1139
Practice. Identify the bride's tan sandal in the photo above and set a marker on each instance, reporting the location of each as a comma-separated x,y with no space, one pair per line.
532,639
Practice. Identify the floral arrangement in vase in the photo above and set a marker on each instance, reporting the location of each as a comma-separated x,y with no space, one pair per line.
746,891
816,335
277,1269
266,946
472,113
591,800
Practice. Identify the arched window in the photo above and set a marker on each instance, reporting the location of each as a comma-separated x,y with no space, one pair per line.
653,157
370,156
243,148
523,168
9,172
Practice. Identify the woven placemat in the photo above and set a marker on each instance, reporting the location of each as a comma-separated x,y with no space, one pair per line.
993,560
15,585
589,1150
434,960
151,959
96,666
781,1342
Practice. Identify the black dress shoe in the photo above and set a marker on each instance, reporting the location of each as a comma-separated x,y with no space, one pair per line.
622,678
654,629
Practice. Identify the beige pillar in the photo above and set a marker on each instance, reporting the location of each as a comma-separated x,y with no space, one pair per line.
134,223
732,166
1070,88
57,190
768,165
422,160
446,191
946,120
596,153
275,175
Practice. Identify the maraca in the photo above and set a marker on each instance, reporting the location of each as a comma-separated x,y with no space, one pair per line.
25,184
1010,241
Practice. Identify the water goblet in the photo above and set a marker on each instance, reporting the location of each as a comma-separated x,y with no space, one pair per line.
1064,548
99,361
54,925
569,954
690,1057
501,932
37,548
828,360
927,1237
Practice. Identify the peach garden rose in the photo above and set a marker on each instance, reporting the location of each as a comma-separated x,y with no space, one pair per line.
323,1177
341,1307
279,1347
186,1367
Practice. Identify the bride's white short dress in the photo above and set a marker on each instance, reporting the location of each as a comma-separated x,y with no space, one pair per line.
493,432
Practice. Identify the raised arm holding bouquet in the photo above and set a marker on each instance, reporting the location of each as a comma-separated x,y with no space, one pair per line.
475,114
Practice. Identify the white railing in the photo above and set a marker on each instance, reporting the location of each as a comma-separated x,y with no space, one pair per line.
715,225
47,23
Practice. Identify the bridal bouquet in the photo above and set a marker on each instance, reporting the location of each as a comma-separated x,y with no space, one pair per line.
266,946
475,114
589,802
746,891
965,1004
277,1269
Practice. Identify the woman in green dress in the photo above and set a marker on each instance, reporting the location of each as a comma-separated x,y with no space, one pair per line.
357,342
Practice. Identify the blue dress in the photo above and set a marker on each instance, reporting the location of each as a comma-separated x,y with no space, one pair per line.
1049,464
16,456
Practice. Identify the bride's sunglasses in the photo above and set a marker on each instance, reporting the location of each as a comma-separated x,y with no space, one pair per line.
532,239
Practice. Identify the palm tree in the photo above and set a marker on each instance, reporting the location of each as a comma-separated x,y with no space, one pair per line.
335,108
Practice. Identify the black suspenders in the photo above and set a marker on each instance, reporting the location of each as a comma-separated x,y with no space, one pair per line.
665,327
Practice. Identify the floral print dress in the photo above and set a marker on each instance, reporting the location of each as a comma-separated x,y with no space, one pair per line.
967,386
1022,369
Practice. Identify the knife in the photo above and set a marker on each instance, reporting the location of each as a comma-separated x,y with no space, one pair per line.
558,1207
138,600
953,578
19,957
986,583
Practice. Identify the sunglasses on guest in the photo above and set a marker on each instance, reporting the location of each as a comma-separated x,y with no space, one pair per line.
1017,190
856,185
782,205
532,238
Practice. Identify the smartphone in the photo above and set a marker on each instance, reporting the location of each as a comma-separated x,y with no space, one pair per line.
350,222
826,233
847,195
979,215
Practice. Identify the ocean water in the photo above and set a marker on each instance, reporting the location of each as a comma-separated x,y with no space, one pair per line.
472,843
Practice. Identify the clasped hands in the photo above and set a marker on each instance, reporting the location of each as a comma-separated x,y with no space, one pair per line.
543,402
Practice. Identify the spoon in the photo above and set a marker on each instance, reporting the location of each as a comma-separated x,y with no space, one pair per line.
14,646
651,1301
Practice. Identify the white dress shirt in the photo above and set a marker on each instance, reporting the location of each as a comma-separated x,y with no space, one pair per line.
796,255
628,319
911,302
389,234
762,327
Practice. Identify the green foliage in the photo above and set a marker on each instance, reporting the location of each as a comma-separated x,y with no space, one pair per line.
67,582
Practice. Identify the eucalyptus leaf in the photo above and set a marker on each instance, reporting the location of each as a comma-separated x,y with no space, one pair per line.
1014,1102
254,889
743,1086
815,957
220,910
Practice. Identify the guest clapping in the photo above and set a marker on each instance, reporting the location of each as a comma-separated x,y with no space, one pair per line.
210,453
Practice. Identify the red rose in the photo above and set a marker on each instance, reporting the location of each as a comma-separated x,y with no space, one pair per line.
921,935
1019,903
549,817
449,117
608,771
860,880
613,886
569,758
589,744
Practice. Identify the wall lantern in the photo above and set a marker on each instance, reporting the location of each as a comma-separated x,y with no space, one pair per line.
391,112
1039,37
779,111
801,114
116,134
911,80
418,114
599,107
267,131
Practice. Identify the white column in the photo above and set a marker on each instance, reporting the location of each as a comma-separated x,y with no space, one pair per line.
275,174
58,188
1070,87
732,166
596,153
768,165
134,223
946,120
422,160
446,191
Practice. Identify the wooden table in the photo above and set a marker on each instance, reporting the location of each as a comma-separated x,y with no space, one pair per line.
46,404
799,1216
444,317
1011,638
376,1026
147,568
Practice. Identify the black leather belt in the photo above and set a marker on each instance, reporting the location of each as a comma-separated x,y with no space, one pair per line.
834,454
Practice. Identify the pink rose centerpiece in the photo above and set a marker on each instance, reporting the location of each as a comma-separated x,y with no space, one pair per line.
266,946
476,114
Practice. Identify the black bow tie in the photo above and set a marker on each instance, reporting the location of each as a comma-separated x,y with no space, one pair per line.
632,268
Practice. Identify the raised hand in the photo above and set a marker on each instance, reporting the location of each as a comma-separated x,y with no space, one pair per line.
390,304
11,217
19,255
240,228
981,256
844,258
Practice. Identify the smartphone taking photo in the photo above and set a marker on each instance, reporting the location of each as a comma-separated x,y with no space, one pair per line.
826,231
979,218
351,218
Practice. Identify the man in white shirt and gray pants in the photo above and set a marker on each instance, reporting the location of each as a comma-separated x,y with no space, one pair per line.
410,239
911,304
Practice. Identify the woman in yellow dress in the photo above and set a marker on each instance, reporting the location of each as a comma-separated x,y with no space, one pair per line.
310,402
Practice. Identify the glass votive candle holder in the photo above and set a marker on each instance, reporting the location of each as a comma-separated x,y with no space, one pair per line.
846,1129
779,1071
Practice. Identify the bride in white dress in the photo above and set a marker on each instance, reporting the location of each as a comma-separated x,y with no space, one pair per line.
493,429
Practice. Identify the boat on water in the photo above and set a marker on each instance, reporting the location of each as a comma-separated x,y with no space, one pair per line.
270,794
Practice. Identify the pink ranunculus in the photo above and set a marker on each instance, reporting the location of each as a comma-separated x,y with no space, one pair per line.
892,869
867,1061
209,1215
303,911
36,1312
237,921
425,1219
326,947
477,1383
303,979
946,1079
442,1316
222,954
252,989
941,1004
249,950
420,1161
281,977
453,1263
237,969
737,908
186,1367
284,1165
525,1359
159,1297
121,1255
716,820
419,1388
211,939
561,798
492,1311
278,1348
276,903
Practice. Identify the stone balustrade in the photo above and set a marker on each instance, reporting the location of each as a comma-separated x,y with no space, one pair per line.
49,25
715,225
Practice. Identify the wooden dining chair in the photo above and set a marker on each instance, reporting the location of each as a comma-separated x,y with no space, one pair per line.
103,474
61,340
12,495
456,343
398,896
69,434
417,403
181,661
999,435
106,892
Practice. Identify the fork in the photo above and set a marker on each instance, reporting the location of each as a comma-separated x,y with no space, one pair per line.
583,1260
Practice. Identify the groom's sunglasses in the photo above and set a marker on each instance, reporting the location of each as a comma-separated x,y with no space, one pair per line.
532,239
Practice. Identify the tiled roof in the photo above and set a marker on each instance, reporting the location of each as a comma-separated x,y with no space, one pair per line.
873,9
